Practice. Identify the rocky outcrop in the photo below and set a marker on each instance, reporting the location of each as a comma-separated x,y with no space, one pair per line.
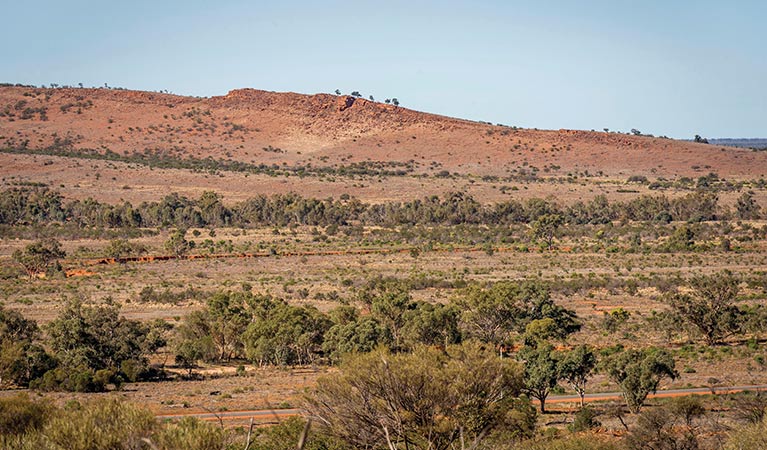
345,103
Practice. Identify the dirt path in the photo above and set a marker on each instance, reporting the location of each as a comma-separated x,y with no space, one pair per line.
260,415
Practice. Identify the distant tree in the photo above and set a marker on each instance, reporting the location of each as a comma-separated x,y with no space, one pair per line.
430,324
489,315
682,239
119,248
177,243
39,256
190,351
372,99
285,334
387,101
576,367
215,332
700,139
356,94
747,208
212,209
613,320
636,132
709,306
395,102
545,228
492,315
540,331
639,373
338,91
360,335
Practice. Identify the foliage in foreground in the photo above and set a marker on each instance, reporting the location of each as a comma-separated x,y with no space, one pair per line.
679,424
427,399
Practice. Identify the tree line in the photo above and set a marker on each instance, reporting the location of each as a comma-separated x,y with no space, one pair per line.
40,205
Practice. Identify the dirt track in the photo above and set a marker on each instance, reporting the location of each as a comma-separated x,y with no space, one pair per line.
265,414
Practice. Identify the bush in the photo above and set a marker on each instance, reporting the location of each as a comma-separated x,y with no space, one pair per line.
748,437
286,435
585,419
102,424
589,442
426,396
19,415
189,434
80,379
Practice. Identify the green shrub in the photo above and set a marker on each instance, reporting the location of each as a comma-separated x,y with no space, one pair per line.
80,379
585,419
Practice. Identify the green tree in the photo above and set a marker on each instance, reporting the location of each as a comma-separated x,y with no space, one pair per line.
213,211
576,367
492,315
389,309
22,358
88,339
286,334
219,327
613,320
541,373
39,256
190,350
356,336
639,373
545,228
709,306
431,324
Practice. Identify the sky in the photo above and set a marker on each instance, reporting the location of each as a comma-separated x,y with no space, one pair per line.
674,68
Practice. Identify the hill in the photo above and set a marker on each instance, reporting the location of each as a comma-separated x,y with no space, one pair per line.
280,134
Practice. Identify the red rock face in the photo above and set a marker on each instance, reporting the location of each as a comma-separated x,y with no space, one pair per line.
345,103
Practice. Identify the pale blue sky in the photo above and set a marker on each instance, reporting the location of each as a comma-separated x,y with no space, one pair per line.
664,67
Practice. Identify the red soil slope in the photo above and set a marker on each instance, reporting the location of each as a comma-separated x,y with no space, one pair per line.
323,130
